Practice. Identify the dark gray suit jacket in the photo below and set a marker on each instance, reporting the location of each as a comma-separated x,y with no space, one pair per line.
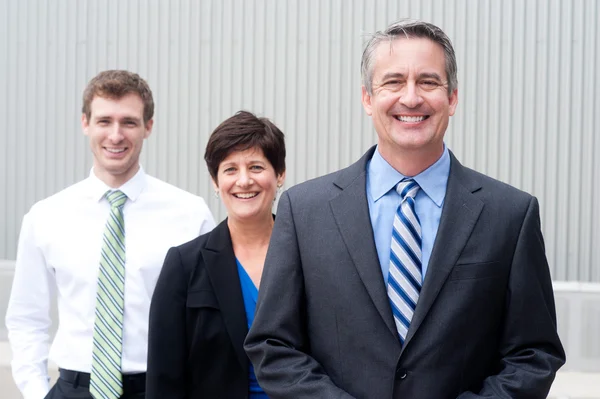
484,326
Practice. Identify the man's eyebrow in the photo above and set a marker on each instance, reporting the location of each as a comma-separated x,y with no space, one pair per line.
399,75
131,118
430,75
391,75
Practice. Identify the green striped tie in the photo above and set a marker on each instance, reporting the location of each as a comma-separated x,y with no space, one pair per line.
106,380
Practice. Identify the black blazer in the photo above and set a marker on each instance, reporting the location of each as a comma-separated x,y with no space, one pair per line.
198,323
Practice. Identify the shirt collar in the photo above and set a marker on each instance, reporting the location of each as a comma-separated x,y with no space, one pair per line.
132,188
433,180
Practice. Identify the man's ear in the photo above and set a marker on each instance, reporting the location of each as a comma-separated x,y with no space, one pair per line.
366,101
148,126
84,124
453,100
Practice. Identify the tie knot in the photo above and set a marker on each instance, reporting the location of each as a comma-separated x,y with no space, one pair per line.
116,198
407,188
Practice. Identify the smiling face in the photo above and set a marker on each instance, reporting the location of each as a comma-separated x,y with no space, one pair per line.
247,184
117,131
410,105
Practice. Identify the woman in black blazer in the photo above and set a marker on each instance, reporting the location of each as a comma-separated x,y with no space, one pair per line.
204,300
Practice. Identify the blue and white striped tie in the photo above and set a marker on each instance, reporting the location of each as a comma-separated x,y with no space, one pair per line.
405,275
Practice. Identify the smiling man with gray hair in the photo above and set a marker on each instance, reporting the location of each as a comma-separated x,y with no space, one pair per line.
406,275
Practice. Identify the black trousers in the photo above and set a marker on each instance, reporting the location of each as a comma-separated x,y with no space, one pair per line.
75,385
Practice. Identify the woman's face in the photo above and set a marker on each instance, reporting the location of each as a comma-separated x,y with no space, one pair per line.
247,184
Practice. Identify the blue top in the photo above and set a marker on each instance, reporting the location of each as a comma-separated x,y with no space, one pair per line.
250,294
384,201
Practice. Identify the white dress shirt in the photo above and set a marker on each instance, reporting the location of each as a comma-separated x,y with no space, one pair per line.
59,254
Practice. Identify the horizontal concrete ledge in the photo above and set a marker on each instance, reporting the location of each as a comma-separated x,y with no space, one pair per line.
6,264
9,265
575,286
570,384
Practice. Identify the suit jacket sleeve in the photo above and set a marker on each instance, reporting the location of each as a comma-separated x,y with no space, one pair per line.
167,351
277,343
530,348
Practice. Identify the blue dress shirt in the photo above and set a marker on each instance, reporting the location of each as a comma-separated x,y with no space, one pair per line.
383,200
250,294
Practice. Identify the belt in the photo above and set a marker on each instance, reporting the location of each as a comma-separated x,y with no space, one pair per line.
132,383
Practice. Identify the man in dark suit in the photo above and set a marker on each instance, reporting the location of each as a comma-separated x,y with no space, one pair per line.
406,275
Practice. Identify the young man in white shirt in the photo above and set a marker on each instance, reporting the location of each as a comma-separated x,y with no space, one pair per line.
100,253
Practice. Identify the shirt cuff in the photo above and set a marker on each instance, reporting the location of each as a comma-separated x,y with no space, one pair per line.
36,389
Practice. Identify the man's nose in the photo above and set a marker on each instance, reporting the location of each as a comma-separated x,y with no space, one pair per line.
116,134
410,96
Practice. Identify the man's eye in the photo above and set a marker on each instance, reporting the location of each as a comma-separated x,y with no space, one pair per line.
429,84
393,85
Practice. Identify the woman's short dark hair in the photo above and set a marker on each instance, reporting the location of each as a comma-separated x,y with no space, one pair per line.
243,131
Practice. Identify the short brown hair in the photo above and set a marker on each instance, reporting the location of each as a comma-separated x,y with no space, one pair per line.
117,84
243,131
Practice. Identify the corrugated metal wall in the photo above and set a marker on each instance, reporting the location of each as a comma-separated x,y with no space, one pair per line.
529,94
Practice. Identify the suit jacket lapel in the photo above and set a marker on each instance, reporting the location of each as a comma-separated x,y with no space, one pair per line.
351,211
222,269
459,215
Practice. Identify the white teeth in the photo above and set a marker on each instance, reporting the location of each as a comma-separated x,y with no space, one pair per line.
246,195
410,118
115,150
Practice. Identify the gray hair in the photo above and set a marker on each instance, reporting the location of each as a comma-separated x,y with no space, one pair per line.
409,28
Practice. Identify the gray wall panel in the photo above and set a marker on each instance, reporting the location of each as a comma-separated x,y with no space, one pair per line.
528,94
592,100
7,237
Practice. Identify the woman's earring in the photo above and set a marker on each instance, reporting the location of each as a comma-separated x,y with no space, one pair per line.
217,194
